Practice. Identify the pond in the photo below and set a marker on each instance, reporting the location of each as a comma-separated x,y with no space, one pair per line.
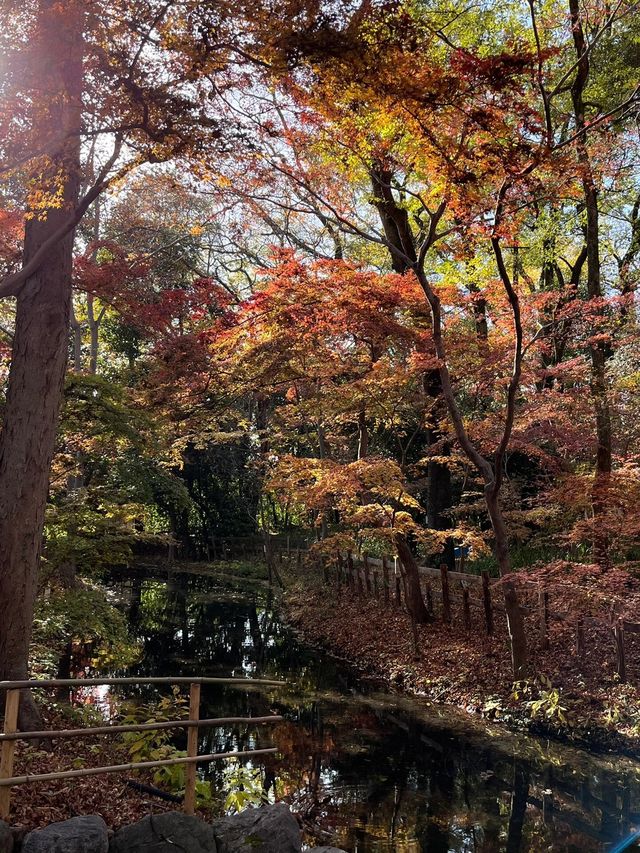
375,771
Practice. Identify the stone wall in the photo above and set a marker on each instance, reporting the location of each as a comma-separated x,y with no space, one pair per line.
268,829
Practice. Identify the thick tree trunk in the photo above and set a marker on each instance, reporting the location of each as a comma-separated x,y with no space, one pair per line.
40,347
415,602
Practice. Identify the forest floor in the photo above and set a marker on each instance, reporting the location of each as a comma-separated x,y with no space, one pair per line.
570,697
109,795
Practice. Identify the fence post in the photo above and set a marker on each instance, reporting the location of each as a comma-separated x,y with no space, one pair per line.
543,610
325,571
466,608
486,600
580,637
385,574
192,750
12,703
446,599
621,664
359,579
367,573
350,570
428,594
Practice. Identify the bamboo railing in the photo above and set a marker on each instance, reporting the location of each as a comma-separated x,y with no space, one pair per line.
11,734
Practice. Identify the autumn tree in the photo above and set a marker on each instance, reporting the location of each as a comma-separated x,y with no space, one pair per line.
341,352
461,143
89,92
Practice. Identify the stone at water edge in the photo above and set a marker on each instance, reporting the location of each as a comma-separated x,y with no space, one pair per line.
169,832
86,834
266,829
6,838
326,850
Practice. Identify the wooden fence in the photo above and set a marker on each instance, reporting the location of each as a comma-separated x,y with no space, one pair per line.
11,734
381,579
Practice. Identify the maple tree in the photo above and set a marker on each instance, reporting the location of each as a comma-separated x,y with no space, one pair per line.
429,122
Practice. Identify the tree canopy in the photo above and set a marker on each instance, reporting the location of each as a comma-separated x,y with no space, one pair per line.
363,272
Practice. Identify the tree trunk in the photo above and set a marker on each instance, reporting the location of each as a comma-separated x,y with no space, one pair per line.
39,355
515,619
439,490
600,351
401,243
93,336
415,602
363,434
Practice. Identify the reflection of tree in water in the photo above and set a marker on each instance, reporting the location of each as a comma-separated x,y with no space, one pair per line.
379,779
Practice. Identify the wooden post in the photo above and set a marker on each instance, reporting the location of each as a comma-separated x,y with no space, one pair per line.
192,750
580,637
466,608
428,596
543,610
325,571
620,661
12,704
385,575
462,559
367,573
352,579
486,599
446,598
358,577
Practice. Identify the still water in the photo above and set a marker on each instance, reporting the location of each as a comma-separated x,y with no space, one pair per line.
367,770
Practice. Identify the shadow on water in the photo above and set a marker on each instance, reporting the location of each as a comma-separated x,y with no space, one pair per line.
375,771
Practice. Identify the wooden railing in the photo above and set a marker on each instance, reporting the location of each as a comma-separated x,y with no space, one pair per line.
11,734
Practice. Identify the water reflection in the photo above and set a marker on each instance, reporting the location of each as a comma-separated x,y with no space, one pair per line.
371,771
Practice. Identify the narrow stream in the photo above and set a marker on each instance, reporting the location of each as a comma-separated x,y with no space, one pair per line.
375,771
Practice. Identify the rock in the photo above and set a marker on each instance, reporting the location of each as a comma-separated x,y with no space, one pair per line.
86,834
165,833
267,829
6,838
326,850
